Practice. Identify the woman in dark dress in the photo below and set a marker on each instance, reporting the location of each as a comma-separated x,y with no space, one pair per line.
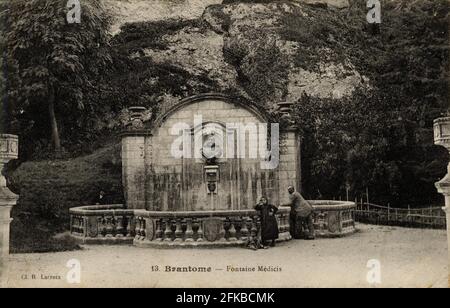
269,225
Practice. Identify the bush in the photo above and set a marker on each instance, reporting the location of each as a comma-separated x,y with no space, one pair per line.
358,143
48,189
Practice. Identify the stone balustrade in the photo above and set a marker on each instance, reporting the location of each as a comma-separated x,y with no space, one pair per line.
204,228
112,224
334,218
102,224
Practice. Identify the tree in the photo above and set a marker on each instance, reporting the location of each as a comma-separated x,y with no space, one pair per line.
57,62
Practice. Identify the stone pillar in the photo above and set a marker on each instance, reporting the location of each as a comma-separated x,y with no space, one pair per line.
134,152
290,156
9,145
442,138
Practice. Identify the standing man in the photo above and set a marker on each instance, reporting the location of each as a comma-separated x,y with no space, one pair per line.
301,214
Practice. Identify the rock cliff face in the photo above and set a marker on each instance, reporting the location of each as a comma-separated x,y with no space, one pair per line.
152,10
271,51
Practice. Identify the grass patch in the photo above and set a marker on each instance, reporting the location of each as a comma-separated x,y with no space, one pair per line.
48,189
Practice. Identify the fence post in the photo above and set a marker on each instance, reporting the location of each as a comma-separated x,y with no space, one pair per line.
389,213
409,216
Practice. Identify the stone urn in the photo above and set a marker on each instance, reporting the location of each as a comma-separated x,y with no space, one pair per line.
9,150
442,138
137,117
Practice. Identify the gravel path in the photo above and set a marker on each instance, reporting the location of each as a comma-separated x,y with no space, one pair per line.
408,258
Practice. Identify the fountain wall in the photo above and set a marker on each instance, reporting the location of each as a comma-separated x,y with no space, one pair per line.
189,200
155,180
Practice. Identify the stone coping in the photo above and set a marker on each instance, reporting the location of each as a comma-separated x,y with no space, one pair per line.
441,120
96,210
326,205
9,136
188,214
86,217
118,209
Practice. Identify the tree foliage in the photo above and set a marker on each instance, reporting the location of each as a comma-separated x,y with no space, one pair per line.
52,64
381,138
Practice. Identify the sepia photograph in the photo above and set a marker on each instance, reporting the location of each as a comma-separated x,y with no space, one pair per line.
200,145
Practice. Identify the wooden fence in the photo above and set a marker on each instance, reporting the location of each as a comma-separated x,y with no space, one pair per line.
433,217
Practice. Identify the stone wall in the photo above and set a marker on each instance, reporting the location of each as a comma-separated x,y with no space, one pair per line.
155,180
290,165
133,174
152,10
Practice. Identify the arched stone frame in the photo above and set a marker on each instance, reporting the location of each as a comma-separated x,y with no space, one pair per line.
141,147
258,112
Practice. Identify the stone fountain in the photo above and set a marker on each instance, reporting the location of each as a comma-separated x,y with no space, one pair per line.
442,138
8,151
202,193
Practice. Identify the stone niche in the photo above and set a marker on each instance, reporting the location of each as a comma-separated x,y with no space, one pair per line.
156,180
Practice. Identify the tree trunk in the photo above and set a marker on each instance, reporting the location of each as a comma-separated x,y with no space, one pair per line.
54,124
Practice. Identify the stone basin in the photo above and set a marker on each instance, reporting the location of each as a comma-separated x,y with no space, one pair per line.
113,224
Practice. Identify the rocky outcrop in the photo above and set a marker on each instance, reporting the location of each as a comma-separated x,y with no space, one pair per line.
332,3
271,51
126,11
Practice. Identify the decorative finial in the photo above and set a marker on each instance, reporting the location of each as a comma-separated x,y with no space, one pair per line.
285,108
137,117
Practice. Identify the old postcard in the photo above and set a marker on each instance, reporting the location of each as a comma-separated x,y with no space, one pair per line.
224,144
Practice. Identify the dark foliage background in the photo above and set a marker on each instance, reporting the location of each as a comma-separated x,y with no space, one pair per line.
381,138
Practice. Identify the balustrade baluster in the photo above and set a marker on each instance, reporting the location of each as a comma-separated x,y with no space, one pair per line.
280,223
178,231
75,225
119,228
114,226
159,232
101,226
232,231
109,227
244,228
143,230
200,231
286,223
255,228
128,226
138,228
85,227
222,232
168,232
189,231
